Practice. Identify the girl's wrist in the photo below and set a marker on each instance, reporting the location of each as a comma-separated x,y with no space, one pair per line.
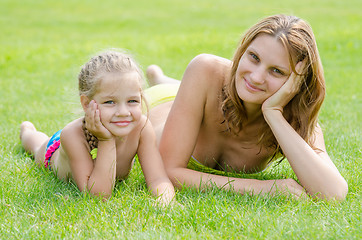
106,140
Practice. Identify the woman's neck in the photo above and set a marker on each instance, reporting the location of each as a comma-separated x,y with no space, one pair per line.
253,112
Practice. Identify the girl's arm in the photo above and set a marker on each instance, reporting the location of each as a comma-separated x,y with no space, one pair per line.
152,166
98,177
182,128
314,168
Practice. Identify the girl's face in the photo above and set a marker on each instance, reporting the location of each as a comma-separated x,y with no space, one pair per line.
119,102
262,69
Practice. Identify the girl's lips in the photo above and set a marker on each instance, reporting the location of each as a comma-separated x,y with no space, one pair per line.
122,123
251,87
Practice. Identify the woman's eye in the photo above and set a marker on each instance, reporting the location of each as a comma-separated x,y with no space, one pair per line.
277,71
254,56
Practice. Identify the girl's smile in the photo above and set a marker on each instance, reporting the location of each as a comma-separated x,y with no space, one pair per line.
119,102
122,123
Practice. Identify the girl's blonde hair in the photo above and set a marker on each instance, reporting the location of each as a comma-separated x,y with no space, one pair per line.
106,62
302,111
111,61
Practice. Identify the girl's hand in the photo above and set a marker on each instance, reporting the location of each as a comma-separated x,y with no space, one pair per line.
287,91
93,123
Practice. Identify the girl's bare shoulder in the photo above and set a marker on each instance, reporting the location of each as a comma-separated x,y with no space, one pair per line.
73,140
74,130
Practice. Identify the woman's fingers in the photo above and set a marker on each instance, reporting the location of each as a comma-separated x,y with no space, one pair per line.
300,68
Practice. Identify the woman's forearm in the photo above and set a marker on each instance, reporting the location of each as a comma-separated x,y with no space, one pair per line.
186,177
315,171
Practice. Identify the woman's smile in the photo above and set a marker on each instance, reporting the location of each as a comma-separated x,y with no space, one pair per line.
251,88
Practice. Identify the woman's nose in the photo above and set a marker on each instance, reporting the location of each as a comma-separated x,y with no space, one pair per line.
257,75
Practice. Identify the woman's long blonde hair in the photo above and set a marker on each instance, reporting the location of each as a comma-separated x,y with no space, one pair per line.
302,111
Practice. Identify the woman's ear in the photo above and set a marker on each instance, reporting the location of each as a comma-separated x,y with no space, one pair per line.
84,100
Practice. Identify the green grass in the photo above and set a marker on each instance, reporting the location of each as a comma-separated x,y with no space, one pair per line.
44,43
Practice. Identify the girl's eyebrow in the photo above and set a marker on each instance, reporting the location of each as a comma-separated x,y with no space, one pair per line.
135,95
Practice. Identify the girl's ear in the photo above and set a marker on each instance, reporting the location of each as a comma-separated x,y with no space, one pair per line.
84,100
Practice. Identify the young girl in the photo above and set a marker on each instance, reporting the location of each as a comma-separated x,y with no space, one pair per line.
239,115
99,148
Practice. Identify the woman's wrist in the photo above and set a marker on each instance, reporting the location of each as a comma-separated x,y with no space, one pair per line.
270,114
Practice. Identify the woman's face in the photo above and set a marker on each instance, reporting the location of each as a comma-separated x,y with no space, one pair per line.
262,69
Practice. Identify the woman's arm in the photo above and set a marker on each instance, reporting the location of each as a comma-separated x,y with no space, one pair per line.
152,166
182,129
314,168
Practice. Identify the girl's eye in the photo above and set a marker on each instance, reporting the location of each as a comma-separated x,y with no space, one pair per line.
109,102
133,101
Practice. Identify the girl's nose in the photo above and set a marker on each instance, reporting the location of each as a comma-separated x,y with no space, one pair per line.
122,110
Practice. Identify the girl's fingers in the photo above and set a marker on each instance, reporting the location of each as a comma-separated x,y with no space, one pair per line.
90,115
97,118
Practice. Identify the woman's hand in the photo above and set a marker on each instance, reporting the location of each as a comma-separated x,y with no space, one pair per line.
288,187
287,91
93,123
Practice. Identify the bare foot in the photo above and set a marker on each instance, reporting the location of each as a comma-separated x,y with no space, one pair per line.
154,74
25,126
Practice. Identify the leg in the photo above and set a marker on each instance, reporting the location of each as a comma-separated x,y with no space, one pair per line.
155,76
33,141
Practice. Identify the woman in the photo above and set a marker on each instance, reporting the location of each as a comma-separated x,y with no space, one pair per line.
240,115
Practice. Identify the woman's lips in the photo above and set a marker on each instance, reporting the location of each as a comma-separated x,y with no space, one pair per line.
251,87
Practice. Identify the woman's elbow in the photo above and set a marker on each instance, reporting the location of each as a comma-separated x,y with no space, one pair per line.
341,191
175,176
337,193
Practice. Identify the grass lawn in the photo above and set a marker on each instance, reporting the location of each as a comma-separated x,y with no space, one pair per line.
44,43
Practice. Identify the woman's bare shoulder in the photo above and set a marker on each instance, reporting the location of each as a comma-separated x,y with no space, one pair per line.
211,63
208,69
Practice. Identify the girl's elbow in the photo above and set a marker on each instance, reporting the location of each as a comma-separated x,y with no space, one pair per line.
101,194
